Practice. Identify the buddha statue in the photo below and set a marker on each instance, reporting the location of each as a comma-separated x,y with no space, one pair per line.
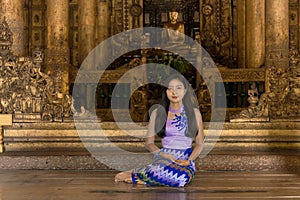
173,32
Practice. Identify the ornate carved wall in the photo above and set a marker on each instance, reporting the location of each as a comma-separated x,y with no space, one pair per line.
214,18
294,21
36,24
13,12
216,30
222,24
26,92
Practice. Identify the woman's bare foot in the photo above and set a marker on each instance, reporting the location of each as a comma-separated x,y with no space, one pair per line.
123,177
128,180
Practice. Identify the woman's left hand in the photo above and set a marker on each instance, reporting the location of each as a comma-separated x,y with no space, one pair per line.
183,162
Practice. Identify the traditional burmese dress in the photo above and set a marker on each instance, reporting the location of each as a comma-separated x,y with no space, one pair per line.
164,172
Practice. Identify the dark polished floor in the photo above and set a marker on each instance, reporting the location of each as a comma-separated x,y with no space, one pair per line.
61,184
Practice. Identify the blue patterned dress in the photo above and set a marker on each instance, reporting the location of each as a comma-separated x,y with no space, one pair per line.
164,172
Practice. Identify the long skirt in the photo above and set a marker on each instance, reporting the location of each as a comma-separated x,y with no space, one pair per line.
164,172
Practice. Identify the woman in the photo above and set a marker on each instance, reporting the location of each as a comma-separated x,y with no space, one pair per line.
177,121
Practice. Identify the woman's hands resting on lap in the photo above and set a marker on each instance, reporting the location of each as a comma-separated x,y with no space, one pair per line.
167,156
183,162
170,157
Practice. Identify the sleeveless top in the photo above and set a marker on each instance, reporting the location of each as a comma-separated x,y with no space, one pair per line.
176,132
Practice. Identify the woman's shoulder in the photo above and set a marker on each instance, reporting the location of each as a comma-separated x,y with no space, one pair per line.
155,110
197,112
196,109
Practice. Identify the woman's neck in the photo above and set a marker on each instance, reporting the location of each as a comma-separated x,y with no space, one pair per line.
176,106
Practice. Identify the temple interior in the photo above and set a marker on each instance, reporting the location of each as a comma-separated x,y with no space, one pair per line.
78,78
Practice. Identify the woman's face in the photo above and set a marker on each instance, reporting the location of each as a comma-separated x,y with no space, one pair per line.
176,91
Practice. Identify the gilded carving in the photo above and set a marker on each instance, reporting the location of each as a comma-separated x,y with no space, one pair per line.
258,109
25,91
286,98
13,11
136,14
243,75
57,56
234,75
138,103
215,27
6,38
282,101
36,26
136,10
37,2
117,17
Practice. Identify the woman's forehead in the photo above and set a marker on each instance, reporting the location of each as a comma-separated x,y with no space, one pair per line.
175,82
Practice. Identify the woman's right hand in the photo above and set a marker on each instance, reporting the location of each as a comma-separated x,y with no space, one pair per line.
167,156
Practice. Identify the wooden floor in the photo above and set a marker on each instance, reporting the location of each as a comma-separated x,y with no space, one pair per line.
100,185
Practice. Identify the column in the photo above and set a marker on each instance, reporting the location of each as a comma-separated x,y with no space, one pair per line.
277,36
87,40
277,33
277,57
255,33
86,27
58,51
13,11
241,32
103,20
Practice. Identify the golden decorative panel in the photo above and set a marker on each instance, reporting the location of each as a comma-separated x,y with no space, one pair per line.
25,91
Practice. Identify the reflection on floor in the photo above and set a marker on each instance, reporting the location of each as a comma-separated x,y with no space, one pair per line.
86,184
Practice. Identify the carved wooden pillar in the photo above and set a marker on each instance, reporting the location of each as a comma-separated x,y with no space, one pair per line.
103,20
86,27
135,9
13,11
241,32
251,33
277,33
255,33
277,57
58,52
86,39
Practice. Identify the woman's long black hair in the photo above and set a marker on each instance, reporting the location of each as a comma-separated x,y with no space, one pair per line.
189,103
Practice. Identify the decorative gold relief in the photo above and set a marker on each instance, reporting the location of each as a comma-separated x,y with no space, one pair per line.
136,10
37,18
36,38
25,91
216,28
6,39
221,23
36,2
282,102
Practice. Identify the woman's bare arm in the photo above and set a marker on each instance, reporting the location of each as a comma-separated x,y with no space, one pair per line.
200,137
150,140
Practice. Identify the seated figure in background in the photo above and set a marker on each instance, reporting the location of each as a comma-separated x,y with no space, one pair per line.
173,33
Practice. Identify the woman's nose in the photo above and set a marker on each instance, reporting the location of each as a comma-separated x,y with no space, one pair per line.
174,91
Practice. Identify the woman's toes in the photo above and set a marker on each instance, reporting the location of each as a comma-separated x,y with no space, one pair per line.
118,177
